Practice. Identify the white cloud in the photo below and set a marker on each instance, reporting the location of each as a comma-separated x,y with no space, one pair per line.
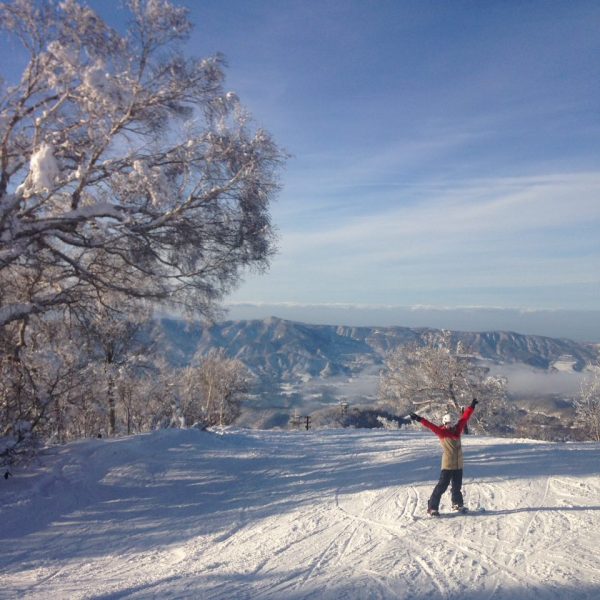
474,240
507,206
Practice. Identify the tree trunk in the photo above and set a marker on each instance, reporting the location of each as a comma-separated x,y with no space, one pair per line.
110,397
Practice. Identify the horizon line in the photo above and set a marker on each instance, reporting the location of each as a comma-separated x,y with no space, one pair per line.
409,307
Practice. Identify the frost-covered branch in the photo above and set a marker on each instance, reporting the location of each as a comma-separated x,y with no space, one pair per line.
126,169
587,405
438,376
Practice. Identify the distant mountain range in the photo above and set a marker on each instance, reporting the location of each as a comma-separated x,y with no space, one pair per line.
279,351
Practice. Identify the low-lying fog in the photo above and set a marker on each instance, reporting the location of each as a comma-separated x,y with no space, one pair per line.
522,380
525,380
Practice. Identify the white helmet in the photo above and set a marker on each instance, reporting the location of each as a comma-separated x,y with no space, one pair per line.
447,419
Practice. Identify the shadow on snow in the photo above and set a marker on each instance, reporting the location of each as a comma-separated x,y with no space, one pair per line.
195,483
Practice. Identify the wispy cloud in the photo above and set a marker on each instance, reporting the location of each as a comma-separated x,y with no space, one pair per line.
508,207
520,232
429,166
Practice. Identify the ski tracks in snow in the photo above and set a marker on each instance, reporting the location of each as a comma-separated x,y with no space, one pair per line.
324,516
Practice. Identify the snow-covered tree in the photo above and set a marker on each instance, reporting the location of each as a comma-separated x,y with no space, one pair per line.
213,388
62,379
440,376
127,171
131,407
587,406
41,379
115,349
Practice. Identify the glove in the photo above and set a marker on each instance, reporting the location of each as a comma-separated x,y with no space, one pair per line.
416,417
474,403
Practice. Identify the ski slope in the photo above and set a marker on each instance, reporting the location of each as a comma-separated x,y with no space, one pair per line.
337,514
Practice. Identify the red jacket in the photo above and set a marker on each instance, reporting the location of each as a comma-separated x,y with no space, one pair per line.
450,440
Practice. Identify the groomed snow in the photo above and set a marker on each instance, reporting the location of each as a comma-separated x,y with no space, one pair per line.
333,514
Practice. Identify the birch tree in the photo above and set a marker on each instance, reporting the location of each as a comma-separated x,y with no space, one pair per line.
214,388
41,380
127,170
587,406
439,376
115,347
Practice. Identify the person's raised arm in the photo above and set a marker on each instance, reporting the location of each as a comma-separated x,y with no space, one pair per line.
462,422
437,430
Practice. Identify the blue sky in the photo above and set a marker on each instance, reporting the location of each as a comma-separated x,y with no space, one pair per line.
444,153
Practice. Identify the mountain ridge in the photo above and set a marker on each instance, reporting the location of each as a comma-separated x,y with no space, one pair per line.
282,351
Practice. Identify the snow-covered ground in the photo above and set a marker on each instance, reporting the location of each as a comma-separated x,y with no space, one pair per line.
336,514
